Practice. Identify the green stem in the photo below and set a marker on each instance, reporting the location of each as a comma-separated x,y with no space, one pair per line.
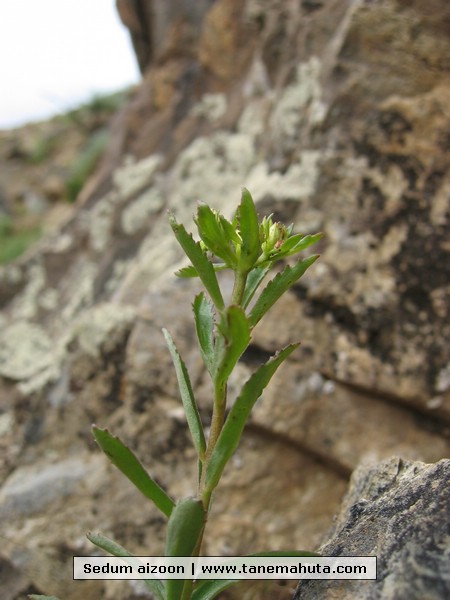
240,279
220,402
186,594
217,420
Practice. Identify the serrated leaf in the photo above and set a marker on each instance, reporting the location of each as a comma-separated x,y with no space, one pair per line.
235,332
278,286
187,272
126,461
183,533
249,230
204,324
230,231
254,280
154,585
290,243
235,422
199,261
298,243
187,397
214,235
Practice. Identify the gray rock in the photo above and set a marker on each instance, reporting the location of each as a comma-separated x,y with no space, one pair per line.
399,512
29,490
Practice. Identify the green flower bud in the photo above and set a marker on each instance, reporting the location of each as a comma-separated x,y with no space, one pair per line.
272,235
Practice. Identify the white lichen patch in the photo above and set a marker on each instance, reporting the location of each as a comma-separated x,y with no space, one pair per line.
100,221
120,269
60,242
135,176
25,351
252,119
26,303
29,356
257,82
99,329
298,182
211,107
440,207
158,261
443,380
392,242
10,274
45,377
82,280
392,185
6,423
375,288
220,162
138,214
300,101
49,298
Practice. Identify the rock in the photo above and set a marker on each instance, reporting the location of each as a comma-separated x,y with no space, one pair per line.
26,351
13,582
397,511
29,490
153,24
39,164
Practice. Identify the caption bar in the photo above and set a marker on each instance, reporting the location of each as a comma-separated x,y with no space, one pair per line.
232,567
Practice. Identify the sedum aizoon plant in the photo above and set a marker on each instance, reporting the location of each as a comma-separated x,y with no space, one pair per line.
250,249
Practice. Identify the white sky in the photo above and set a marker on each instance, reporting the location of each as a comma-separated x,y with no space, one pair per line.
55,54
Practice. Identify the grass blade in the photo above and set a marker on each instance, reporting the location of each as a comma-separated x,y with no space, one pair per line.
278,286
199,261
238,415
187,397
125,460
154,585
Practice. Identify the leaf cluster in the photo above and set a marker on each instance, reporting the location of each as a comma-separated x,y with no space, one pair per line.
242,244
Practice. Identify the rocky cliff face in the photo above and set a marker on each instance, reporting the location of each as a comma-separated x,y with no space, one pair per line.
335,116
398,512
44,166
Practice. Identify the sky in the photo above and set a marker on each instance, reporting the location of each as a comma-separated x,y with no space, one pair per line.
56,54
